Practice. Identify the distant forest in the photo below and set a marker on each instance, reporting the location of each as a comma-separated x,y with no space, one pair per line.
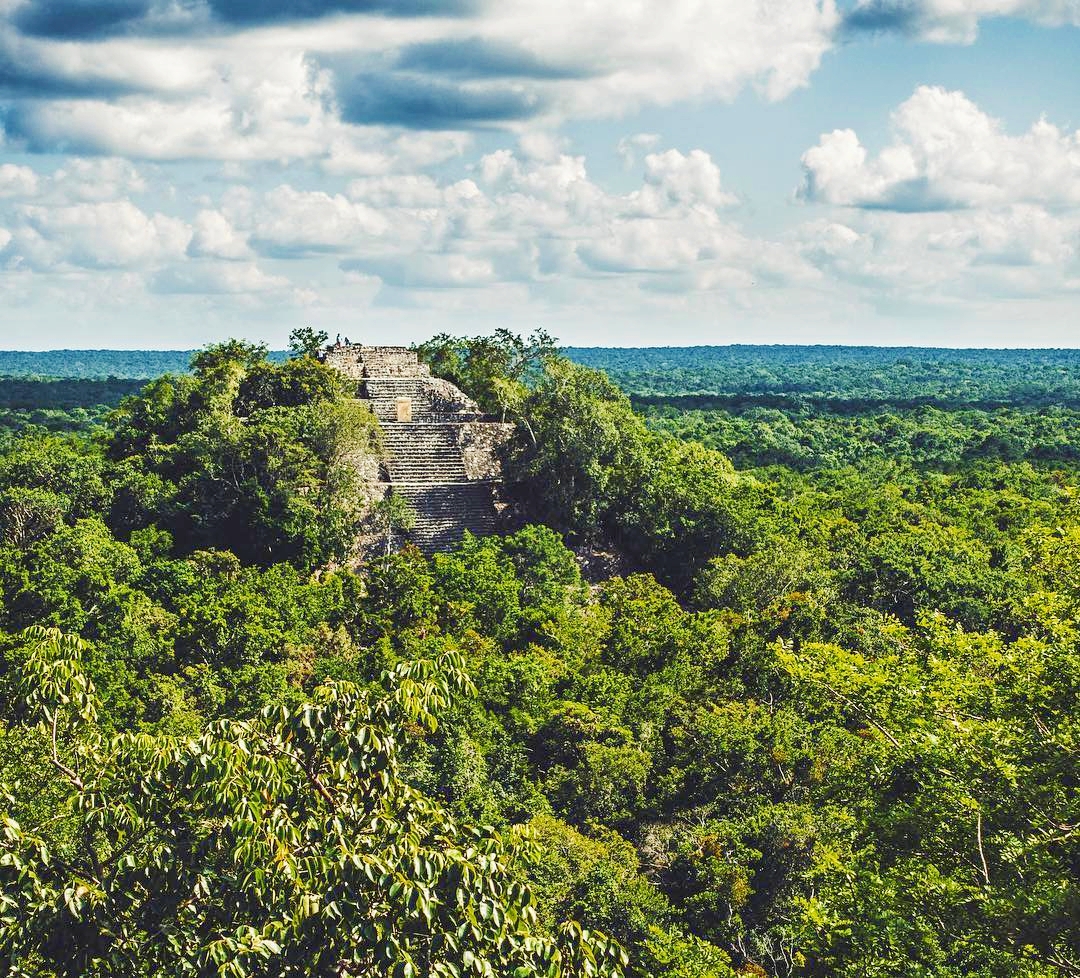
97,364
902,375
849,372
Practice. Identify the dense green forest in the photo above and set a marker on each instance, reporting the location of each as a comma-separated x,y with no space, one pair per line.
844,372
59,404
775,671
806,434
847,372
93,364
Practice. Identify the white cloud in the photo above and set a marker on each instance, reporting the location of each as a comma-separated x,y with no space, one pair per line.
98,179
294,222
414,191
17,181
430,271
274,93
954,209
237,102
200,278
75,180
660,51
946,153
111,66
375,151
691,179
959,257
114,234
541,219
215,237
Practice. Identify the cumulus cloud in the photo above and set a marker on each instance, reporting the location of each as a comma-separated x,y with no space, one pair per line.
323,79
660,51
217,279
156,79
541,219
412,191
39,68
427,271
691,179
532,215
215,237
75,180
954,207
292,223
99,178
516,61
267,105
17,181
77,225
80,215
112,234
958,256
946,153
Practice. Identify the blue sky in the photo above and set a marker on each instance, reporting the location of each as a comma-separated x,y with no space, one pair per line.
658,172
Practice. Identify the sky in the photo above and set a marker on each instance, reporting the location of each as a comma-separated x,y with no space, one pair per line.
618,172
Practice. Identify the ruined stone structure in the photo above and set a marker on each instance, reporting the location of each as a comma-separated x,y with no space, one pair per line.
442,452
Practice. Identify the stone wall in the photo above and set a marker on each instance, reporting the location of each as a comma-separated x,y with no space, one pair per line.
480,443
446,399
358,362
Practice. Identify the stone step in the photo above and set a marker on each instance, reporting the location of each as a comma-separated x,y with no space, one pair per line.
444,513
382,393
419,452
387,386
429,402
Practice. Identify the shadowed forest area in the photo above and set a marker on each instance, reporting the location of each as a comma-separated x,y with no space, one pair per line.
774,670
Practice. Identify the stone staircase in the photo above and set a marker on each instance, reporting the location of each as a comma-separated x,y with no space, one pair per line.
423,452
444,512
425,458
381,393
427,470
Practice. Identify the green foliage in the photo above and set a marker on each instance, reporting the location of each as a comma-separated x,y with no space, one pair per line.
283,845
246,455
814,717
807,434
392,513
495,370
843,373
59,404
307,342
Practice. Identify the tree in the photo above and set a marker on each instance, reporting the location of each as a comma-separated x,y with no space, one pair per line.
587,448
231,352
497,370
391,513
307,342
249,455
285,845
